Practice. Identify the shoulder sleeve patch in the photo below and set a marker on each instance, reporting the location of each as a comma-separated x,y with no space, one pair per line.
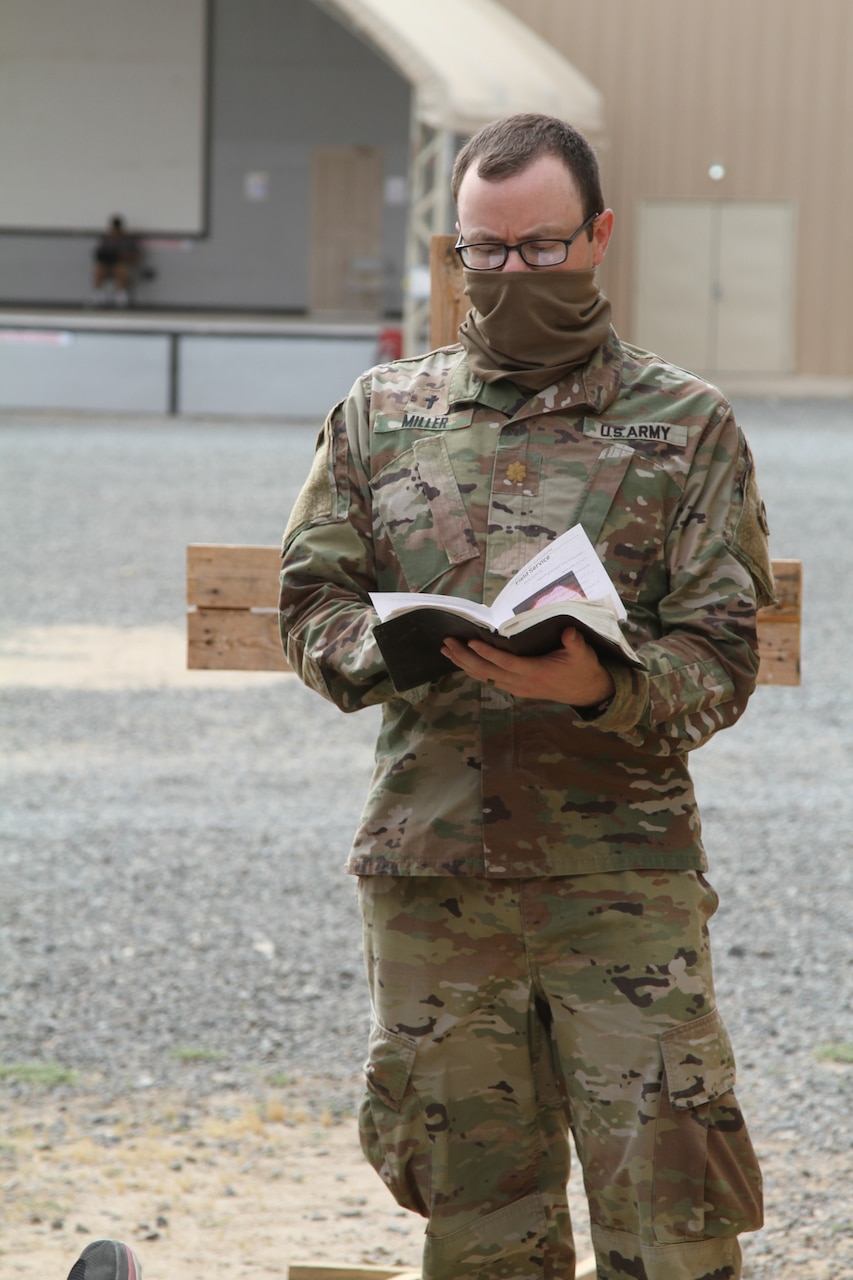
751,541
317,499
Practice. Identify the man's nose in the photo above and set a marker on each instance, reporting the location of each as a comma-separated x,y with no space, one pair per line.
515,262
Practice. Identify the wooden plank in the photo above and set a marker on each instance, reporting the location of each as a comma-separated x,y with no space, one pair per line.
234,640
314,1271
232,577
779,650
788,577
233,623
586,1270
780,627
448,305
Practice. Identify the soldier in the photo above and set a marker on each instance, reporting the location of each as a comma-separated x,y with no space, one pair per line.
529,859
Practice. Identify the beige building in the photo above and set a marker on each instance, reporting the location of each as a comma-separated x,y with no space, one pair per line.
728,158
318,141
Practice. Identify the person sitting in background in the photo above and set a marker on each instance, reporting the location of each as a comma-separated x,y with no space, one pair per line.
116,255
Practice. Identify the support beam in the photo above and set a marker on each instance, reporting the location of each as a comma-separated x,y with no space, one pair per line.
430,214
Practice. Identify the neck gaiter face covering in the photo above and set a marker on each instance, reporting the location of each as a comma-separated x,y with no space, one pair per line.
532,327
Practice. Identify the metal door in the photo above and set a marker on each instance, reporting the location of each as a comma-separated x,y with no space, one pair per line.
715,284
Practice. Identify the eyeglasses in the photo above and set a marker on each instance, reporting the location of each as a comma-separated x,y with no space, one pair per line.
535,253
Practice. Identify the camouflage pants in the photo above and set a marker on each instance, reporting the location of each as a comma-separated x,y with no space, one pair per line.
505,1012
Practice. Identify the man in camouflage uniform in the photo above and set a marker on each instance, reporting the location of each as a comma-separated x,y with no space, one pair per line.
529,857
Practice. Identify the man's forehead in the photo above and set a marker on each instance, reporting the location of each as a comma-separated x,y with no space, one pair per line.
545,192
547,169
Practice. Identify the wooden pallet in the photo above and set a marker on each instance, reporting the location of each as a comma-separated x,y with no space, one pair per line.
232,623
312,1271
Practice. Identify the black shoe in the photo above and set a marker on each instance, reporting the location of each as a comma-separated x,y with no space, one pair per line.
106,1260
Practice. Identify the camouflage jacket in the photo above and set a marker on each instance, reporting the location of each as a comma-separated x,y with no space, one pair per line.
426,478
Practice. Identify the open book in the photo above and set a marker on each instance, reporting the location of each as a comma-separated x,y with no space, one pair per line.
565,585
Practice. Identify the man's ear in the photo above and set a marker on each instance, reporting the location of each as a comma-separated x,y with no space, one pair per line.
601,234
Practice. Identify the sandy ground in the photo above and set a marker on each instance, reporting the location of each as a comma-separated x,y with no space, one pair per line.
221,1186
226,1185
229,1184
98,657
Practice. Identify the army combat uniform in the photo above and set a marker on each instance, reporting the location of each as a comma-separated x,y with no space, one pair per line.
531,875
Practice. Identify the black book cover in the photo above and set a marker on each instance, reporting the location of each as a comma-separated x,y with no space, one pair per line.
411,642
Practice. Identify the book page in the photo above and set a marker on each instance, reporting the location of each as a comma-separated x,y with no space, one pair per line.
598,615
390,603
568,568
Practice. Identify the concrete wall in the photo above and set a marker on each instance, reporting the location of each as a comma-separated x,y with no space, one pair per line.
297,374
285,77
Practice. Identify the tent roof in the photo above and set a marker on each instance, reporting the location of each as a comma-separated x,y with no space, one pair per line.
471,61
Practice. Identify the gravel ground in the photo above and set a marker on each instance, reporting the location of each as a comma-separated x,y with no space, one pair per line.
173,910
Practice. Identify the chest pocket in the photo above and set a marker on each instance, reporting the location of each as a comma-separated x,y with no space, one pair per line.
605,478
419,509
622,510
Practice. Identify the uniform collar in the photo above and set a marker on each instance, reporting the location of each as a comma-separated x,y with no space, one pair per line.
594,385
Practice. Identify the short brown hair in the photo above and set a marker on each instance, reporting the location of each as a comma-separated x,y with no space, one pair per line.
506,147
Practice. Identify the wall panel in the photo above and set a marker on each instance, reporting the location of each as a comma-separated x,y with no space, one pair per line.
102,107
763,87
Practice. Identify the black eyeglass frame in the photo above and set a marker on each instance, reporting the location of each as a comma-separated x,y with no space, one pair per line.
508,248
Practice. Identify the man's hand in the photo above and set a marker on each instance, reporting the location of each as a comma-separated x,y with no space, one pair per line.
572,674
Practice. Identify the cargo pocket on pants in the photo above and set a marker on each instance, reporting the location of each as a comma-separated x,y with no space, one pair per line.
706,1177
390,1124
507,1244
